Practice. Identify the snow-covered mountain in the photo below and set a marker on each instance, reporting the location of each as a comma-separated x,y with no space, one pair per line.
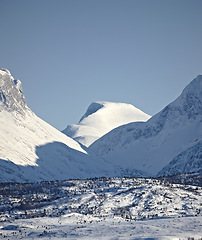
31,149
171,138
190,160
102,117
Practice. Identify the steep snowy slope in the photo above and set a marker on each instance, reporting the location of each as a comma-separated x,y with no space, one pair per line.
32,150
102,117
189,160
153,145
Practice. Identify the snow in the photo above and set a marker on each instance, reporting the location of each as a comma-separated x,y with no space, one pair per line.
105,208
102,117
101,208
18,85
11,94
31,149
178,165
6,72
151,146
67,227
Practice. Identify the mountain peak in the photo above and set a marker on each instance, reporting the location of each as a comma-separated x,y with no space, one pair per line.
195,86
31,149
93,108
100,118
5,71
191,98
111,109
11,94
151,146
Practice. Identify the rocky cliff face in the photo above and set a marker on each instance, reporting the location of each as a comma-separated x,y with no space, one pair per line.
11,94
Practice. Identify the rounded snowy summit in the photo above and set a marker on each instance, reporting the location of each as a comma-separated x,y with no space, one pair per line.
102,117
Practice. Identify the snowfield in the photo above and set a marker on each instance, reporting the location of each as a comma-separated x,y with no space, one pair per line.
74,226
102,208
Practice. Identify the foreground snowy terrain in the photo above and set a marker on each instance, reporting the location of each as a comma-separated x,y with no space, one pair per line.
102,208
75,226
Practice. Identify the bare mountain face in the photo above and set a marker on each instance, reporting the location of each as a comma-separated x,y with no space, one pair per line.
169,142
31,149
102,117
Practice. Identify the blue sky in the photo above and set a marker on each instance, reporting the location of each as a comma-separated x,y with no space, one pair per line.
69,53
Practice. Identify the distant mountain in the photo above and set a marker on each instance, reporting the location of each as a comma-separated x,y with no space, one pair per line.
102,117
168,143
31,149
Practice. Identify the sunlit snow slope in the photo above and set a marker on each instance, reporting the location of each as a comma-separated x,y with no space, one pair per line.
31,149
172,136
102,117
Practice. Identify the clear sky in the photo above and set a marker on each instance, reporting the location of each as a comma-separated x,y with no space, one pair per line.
69,53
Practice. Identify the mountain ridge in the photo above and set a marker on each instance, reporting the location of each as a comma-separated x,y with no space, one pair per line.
165,144
31,149
150,146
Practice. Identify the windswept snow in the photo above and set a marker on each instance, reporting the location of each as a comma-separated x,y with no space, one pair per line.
102,117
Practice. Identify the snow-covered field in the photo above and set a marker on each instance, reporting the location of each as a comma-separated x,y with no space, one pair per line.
103,208
72,226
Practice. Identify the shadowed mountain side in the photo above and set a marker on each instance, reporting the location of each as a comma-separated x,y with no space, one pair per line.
188,161
56,161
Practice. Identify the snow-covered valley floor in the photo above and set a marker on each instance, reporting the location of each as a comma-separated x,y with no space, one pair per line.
104,208
72,226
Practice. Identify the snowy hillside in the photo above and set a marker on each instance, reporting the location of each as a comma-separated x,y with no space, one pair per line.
31,149
102,117
152,145
189,160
